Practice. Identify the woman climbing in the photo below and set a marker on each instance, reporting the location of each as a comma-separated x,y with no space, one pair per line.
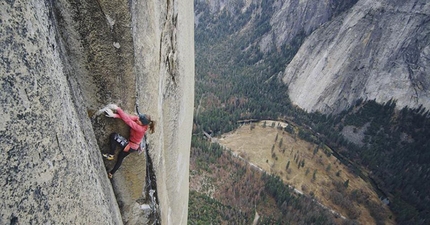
138,127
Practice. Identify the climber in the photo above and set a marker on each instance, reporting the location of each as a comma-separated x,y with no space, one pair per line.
138,127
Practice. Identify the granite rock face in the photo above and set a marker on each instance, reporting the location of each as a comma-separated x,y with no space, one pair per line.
377,50
60,62
285,19
293,17
164,61
51,169
353,49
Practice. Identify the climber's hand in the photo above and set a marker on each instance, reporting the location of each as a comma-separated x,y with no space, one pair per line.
112,106
109,113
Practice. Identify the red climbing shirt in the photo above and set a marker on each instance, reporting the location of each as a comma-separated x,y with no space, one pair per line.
136,132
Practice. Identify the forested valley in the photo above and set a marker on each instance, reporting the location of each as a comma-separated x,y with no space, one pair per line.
232,192
235,81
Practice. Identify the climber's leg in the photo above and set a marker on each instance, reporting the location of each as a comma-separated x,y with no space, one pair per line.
121,157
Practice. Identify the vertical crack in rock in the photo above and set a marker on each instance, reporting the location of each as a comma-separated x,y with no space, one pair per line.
151,195
168,42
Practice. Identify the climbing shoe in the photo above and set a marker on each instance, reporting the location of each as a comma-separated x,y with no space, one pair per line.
108,156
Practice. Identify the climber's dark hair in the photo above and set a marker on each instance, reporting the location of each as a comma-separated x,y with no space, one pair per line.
151,126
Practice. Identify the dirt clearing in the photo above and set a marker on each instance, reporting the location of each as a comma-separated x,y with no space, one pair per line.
307,167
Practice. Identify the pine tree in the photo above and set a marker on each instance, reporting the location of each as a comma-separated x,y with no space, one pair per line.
316,150
346,184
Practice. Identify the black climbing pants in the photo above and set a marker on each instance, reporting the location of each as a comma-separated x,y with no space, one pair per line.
117,140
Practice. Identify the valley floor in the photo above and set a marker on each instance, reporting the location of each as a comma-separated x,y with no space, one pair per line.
310,169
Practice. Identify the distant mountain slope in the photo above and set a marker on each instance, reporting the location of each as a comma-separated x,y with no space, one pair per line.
352,49
377,50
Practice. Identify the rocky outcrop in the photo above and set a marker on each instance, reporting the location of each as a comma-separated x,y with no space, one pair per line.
377,50
60,62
